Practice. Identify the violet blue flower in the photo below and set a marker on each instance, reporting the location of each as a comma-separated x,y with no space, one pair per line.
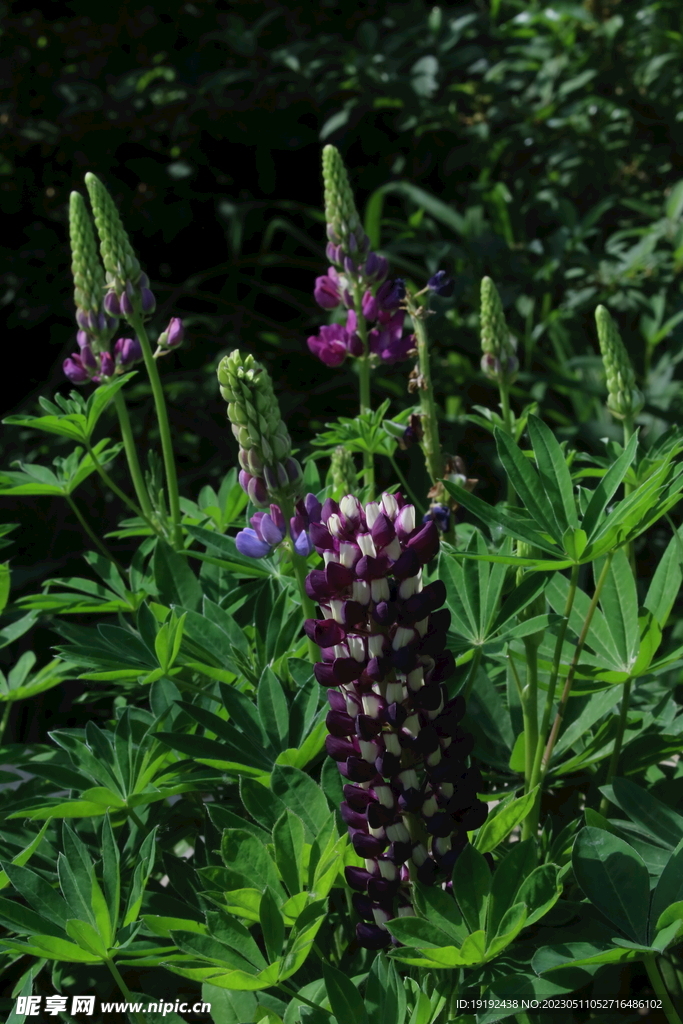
172,337
393,731
127,351
389,342
73,368
441,285
327,291
267,529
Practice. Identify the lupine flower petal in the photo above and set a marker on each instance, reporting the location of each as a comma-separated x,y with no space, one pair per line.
249,543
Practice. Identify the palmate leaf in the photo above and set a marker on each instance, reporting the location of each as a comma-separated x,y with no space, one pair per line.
74,417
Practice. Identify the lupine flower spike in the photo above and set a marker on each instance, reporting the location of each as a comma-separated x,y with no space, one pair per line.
128,291
269,473
624,399
93,362
498,361
409,798
343,471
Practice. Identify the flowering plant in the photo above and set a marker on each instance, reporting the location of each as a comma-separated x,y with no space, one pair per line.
338,715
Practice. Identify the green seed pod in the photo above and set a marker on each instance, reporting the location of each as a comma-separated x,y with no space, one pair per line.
624,399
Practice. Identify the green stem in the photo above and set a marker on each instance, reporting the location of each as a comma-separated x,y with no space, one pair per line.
530,710
132,813
164,429
116,489
557,724
93,536
430,423
504,389
531,821
407,489
125,991
364,381
132,455
618,739
300,572
5,719
658,985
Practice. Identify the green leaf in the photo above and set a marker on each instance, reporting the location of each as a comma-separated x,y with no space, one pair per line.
539,892
498,826
87,937
554,474
176,582
272,709
645,809
26,854
345,999
301,794
272,925
288,837
666,582
526,484
52,948
615,879
45,900
248,860
518,863
607,487
514,527
669,889
441,911
619,604
471,886
514,919
261,803
110,872
385,995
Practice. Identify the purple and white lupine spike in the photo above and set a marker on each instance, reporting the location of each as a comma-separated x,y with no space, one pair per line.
267,529
409,797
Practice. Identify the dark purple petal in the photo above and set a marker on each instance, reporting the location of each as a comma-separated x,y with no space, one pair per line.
441,284
363,906
357,769
112,305
324,632
407,564
425,544
357,798
338,748
326,291
371,936
107,364
339,576
321,537
317,586
383,531
340,724
369,568
73,369
357,878
368,846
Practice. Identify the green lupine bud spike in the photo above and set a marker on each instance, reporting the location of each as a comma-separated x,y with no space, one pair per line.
497,344
624,399
343,471
86,267
266,447
117,253
340,209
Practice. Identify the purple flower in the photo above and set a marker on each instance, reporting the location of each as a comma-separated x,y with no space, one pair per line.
389,342
127,351
74,369
327,291
334,342
441,285
441,515
382,637
172,337
268,528
390,296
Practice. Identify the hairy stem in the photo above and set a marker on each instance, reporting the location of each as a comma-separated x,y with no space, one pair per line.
430,423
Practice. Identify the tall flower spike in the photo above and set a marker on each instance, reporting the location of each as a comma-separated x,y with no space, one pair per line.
624,399
499,361
268,469
409,798
88,277
128,288
344,230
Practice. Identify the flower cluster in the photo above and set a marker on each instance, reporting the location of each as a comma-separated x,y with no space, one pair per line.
498,345
96,366
409,799
268,529
380,306
623,397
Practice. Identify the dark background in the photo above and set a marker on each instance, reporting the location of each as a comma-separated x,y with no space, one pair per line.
543,140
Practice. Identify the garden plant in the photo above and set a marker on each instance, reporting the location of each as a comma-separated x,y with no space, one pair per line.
345,718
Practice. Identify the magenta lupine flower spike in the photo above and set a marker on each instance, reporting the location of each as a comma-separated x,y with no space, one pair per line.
410,799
